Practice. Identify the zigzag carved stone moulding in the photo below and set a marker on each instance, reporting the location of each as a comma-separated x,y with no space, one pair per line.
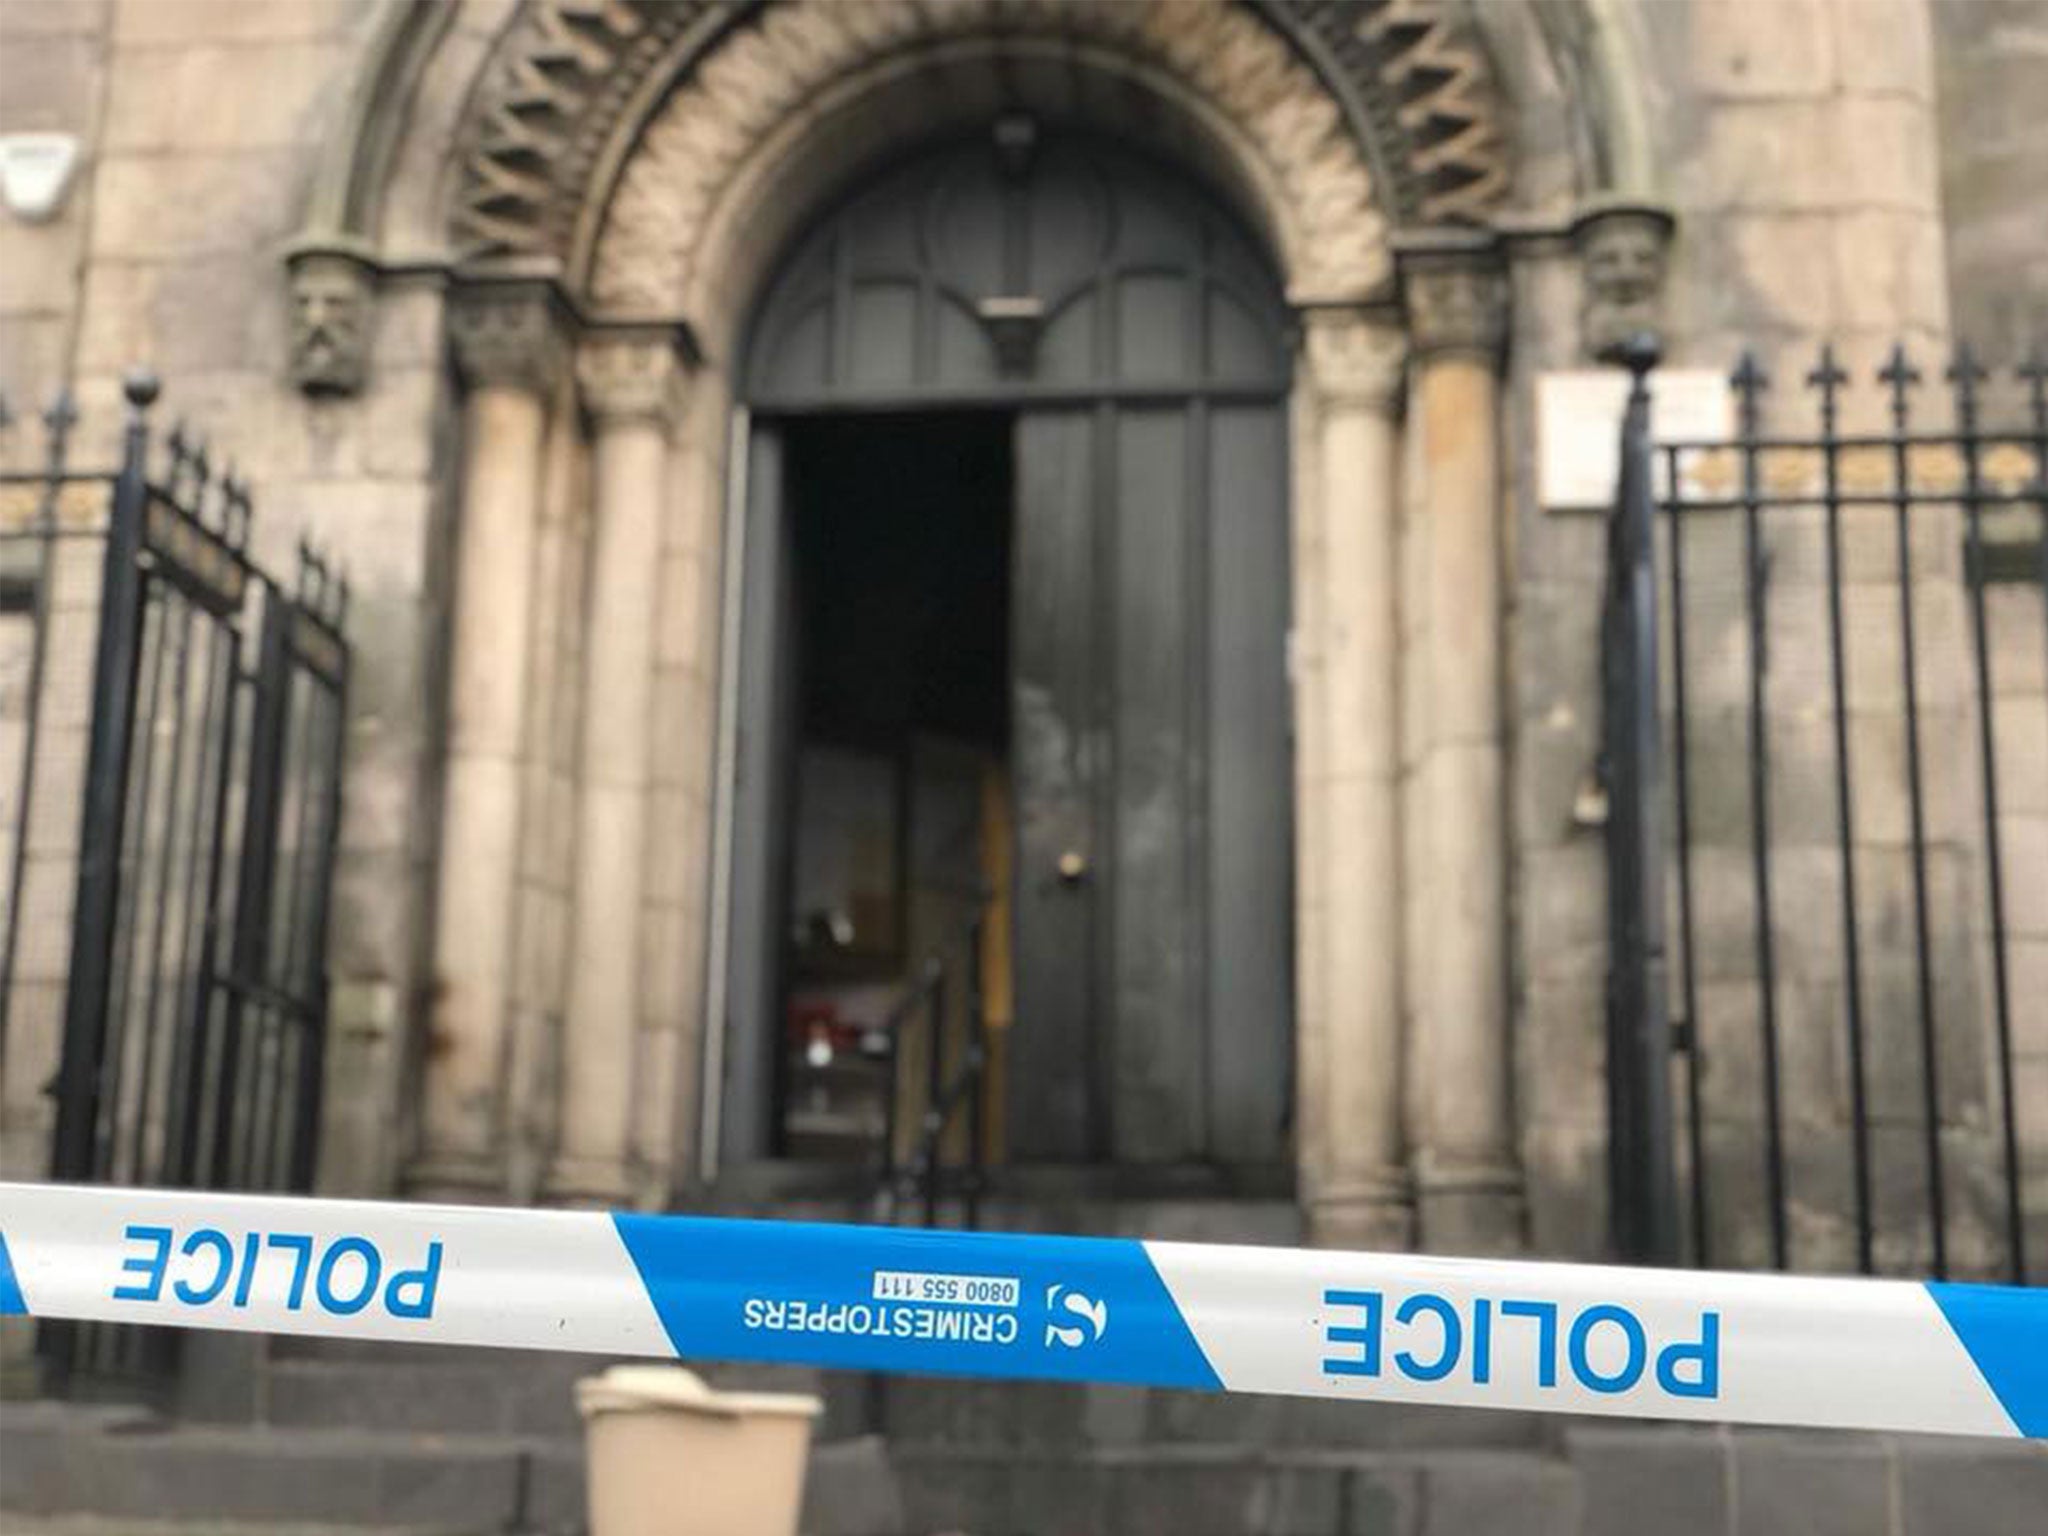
1367,112
552,95
1417,73
695,145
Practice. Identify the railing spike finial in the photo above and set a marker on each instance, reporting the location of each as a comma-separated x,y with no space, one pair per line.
1749,382
1639,352
2035,372
1827,375
140,388
1966,373
58,420
179,443
1828,378
1898,370
239,508
1902,378
225,501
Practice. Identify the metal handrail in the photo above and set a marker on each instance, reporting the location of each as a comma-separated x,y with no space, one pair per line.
944,1094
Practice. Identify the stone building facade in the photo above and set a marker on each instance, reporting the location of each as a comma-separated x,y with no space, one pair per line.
474,291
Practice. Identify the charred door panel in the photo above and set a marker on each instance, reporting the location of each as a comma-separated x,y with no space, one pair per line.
1158,1067
1055,1111
1249,829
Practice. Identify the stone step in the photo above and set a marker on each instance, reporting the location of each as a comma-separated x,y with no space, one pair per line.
354,1384
928,1412
521,1396
107,1471
63,1460
1221,1491
1193,1204
104,1525
1598,1480
390,1387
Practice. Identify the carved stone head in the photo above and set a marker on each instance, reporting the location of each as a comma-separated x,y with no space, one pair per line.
330,322
1621,264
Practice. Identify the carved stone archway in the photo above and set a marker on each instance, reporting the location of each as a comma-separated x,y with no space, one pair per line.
630,172
571,87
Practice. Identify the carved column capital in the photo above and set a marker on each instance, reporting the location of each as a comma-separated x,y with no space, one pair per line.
1355,357
509,334
1622,248
637,374
1456,292
333,296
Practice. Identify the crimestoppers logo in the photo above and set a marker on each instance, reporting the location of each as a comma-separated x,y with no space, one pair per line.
1087,1320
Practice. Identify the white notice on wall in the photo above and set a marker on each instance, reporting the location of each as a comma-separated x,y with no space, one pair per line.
1578,426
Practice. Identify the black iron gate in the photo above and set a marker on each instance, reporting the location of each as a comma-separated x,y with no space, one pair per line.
201,760
1825,693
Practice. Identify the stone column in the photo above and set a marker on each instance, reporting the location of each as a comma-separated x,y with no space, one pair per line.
631,383
509,348
1357,1181
1468,1184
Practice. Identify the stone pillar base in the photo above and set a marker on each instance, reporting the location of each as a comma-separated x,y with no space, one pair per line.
465,1178
1369,1213
609,1182
1470,1208
21,1368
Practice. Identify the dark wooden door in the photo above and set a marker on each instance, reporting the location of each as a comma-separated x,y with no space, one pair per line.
1150,759
1057,1067
1138,336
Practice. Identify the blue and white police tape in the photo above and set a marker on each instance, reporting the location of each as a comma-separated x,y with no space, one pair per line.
1561,1338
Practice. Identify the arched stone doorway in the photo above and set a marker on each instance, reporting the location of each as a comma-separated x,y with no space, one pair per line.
613,232
1023,626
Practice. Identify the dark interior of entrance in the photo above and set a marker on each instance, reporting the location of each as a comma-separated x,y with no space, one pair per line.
900,529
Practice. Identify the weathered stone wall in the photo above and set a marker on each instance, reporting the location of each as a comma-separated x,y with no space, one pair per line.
1796,142
1991,65
1802,145
1991,59
53,78
202,126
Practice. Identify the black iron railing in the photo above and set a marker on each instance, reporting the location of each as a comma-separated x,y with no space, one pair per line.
1638,1009
183,714
1827,782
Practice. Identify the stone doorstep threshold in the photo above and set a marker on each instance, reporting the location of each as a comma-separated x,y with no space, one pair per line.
114,1525
752,1182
